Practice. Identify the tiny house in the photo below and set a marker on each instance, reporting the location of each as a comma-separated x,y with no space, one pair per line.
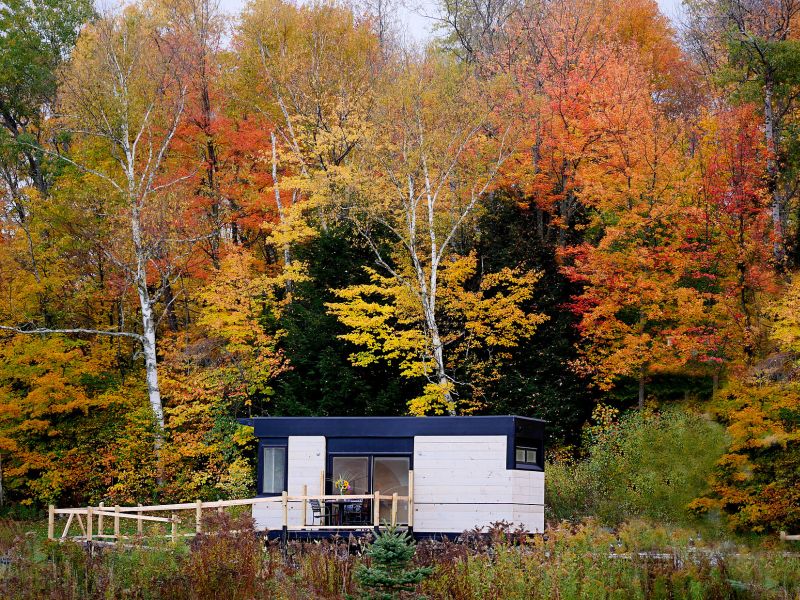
451,474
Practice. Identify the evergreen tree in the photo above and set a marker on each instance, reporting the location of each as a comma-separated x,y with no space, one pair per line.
390,575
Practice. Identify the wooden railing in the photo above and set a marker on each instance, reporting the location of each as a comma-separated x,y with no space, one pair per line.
85,517
785,537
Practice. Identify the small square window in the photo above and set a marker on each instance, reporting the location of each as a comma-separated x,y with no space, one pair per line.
526,455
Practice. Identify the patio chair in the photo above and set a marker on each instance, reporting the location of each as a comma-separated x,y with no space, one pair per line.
354,513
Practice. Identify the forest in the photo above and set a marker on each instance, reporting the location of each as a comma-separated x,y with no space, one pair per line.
575,210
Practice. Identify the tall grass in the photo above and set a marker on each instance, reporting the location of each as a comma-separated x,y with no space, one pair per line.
568,562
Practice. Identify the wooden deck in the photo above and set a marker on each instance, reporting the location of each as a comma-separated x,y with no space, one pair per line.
90,523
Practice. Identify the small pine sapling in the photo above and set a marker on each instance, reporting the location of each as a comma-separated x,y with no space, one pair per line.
390,575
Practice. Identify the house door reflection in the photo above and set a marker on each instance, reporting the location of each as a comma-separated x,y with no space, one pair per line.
390,476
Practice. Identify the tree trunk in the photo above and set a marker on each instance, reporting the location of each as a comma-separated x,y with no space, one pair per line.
148,326
641,389
287,257
151,367
771,136
437,348
169,304
441,373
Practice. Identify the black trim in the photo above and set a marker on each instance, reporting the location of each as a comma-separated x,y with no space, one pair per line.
271,443
382,427
395,435
528,467
477,503
388,445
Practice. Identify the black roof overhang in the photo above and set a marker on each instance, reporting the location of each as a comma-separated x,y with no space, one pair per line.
377,427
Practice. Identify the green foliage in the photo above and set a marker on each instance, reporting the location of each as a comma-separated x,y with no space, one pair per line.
322,381
537,379
389,574
648,464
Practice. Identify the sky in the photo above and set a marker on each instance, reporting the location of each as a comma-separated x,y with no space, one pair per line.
419,27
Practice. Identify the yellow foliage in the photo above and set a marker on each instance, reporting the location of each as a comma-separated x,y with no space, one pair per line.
482,323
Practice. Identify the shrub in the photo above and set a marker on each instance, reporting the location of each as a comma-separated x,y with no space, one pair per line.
647,464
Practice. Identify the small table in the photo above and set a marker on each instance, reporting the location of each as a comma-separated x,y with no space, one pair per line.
335,517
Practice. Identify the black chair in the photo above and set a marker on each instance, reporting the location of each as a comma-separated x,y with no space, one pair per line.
316,512
354,513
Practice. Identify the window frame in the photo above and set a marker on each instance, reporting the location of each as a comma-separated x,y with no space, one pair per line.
265,443
525,450
527,445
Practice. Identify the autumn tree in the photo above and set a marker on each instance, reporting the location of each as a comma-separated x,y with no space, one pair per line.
122,101
433,155
735,231
642,309
194,34
306,73
751,48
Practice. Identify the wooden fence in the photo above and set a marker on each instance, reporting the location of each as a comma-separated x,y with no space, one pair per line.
87,518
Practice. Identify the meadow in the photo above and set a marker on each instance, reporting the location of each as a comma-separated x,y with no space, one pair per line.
585,560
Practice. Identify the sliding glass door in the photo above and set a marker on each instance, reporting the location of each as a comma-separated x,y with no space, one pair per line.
352,469
390,476
368,474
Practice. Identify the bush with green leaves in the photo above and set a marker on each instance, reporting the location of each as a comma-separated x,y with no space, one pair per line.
389,574
645,465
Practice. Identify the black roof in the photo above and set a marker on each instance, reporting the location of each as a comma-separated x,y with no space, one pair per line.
362,427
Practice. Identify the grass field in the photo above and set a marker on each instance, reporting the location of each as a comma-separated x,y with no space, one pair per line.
637,560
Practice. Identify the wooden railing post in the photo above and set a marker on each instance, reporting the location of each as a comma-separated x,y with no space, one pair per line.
67,526
51,522
305,504
198,517
394,509
89,523
174,527
285,505
116,522
100,527
139,521
322,493
411,499
377,510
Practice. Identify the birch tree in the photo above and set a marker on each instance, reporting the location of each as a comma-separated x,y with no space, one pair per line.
434,155
122,101
308,72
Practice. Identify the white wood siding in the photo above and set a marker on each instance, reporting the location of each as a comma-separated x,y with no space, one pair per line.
461,482
305,461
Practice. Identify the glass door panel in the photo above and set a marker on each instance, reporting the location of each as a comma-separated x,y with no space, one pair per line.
390,476
354,470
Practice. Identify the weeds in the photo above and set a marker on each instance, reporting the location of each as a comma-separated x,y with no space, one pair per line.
581,560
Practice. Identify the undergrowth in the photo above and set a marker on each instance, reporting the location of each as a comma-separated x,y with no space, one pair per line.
580,561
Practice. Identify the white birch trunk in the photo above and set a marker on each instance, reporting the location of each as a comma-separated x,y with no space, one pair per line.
287,256
771,136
